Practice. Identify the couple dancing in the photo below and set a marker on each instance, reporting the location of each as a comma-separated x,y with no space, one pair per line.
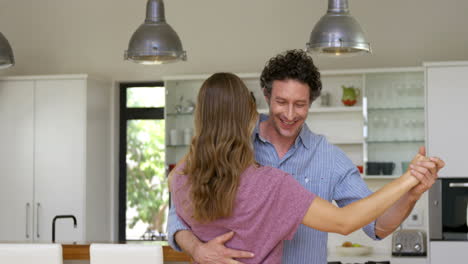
248,183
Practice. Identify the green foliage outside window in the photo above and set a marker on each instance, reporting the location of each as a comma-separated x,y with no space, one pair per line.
146,177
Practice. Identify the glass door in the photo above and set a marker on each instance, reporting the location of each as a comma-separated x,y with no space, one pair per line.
395,121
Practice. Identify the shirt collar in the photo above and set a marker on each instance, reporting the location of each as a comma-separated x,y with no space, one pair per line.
305,136
256,133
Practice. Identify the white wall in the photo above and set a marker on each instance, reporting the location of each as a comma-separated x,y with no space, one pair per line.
90,36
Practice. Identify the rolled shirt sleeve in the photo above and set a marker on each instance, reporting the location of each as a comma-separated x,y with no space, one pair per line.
351,187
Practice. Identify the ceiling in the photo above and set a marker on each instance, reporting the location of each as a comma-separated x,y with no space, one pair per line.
90,36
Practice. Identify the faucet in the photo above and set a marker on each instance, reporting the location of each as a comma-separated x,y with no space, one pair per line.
61,216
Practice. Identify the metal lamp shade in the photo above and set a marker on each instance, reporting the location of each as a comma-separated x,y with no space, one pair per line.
6,53
338,33
155,42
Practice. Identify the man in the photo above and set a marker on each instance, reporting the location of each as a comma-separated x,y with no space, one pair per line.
290,83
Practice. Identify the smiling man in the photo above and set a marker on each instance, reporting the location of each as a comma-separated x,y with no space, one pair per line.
289,104
286,82
290,83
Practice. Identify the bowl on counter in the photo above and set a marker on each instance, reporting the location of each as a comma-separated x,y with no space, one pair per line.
353,251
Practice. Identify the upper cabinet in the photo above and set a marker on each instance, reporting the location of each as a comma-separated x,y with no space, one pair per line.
447,125
394,127
383,128
55,157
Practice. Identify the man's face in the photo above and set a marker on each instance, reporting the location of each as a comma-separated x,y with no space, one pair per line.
289,105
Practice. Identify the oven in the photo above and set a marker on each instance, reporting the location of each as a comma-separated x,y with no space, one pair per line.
353,262
448,210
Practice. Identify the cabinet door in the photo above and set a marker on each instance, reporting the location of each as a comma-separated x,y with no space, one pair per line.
447,126
448,252
16,160
59,158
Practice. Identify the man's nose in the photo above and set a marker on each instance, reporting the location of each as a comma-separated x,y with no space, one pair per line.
290,112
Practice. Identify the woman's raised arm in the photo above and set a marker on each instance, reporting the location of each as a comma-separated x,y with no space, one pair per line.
324,216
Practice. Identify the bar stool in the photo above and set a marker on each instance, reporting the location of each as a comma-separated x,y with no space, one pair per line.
31,253
125,254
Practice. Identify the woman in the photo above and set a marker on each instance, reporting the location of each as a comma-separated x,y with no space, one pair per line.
221,188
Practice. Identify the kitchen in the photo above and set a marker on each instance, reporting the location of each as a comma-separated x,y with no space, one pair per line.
64,37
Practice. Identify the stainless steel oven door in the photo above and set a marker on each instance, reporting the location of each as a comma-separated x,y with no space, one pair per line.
448,210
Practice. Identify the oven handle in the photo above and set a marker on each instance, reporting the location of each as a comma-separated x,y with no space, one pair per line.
458,184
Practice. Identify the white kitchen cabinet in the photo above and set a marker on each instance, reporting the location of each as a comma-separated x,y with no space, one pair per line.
54,158
447,124
443,252
16,159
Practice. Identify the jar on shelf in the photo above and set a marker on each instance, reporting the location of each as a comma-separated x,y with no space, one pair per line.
174,137
188,134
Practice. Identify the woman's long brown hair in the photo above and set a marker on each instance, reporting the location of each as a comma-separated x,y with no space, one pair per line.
221,148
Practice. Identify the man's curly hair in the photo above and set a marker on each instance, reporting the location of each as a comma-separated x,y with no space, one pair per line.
294,65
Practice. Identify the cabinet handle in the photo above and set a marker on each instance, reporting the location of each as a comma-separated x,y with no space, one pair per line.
37,220
458,184
27,219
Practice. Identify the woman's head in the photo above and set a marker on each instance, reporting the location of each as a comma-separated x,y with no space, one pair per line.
225,107
221,148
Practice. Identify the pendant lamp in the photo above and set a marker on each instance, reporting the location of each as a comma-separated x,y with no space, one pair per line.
338,33
6,53
155,42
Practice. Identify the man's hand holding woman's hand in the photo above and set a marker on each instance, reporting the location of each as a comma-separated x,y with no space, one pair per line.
425,169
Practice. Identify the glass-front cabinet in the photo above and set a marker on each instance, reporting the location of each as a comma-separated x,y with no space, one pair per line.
181,96
394,121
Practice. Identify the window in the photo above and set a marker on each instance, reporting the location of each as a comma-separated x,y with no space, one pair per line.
143,191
